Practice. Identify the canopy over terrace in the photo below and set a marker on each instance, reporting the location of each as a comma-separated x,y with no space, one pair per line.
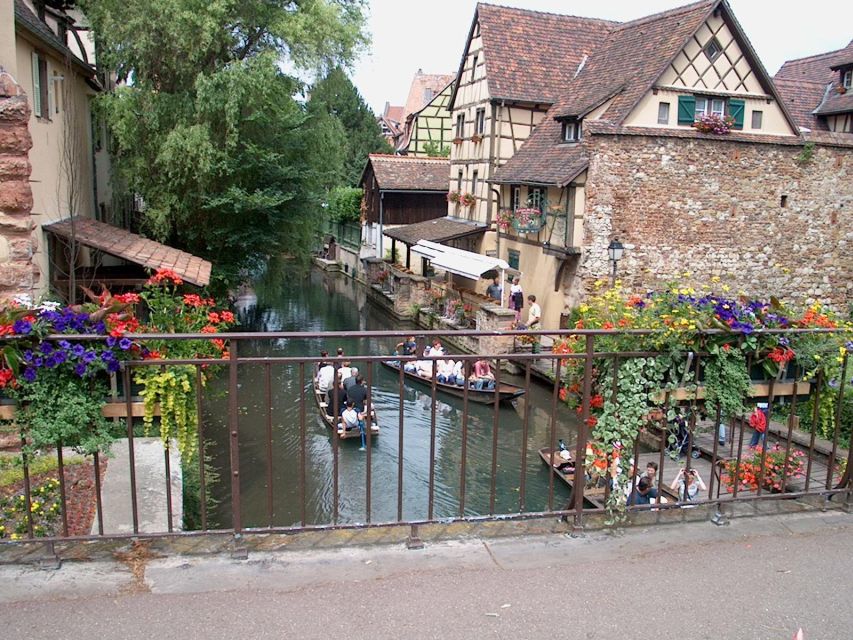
439,230
463,263
132,248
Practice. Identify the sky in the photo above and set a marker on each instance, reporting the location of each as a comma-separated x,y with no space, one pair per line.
408,35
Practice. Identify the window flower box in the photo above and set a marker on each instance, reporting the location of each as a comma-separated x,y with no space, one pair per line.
457,140
453,196
528,220
713,123
476,138
467,199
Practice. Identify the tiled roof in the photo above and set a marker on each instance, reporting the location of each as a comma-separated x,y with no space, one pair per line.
630,59
809,86
817,68
530,56
410,173
836,102
801,97
397,114
437,230
544,159
39,30
134,248
425,86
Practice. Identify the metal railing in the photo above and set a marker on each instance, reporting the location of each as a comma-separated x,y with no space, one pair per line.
231,443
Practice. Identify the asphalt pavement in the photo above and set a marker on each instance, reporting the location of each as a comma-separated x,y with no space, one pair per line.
758,578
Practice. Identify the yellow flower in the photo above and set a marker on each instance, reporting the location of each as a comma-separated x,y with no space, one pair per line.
715,278
584,308
686,274
726,287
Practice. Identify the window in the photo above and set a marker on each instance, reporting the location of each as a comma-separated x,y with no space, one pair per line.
756,119
516,198
473,67
57,91
480,122
783,202
475,178
571,131
663,113
713,49
428,94
460,125
41,87
512,257
692,108
459,177
847,78
536,198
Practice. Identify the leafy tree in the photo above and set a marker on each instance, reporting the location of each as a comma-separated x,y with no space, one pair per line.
336,95
207,126
435,149
345,204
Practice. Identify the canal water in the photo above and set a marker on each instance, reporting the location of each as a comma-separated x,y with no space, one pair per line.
317,301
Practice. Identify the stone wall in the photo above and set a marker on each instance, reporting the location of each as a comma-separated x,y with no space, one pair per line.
17,275
753,214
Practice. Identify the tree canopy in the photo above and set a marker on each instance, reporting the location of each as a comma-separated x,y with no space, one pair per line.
336,96
208,128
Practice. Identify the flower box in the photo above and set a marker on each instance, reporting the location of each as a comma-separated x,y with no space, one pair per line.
457,140
528,220
476,138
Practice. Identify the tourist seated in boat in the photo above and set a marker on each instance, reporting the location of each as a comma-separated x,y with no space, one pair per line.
346,383
352,419
326,379
345,371
482,377
444,371
324,355
435,350
424,368
407,347
642,493
357,394
458,373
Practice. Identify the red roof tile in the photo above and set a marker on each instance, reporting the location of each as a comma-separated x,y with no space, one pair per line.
801,97
544,159
410,173
530,55
425,86
817,68
134,248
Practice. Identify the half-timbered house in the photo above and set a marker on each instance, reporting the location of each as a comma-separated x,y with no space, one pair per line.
592,136
428,131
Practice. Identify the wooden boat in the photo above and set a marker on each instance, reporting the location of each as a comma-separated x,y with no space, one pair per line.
330,420
594,496
506,392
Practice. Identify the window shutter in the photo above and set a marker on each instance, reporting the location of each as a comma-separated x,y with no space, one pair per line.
36,86
51,97
686,109
736,111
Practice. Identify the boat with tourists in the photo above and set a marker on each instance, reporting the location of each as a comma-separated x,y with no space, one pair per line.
332,422
564,469
505,392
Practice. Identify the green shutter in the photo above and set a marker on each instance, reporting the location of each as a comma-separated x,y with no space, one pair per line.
36,86
736,111
686,109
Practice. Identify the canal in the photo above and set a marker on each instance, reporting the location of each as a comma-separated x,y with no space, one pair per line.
317,301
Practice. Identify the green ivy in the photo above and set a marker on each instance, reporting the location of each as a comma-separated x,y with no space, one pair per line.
727,380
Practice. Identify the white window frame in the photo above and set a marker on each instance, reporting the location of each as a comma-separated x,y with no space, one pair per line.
663,112
475,178
760,117
460,125
536,197
516,198
480,121
571,131
716,44
847,78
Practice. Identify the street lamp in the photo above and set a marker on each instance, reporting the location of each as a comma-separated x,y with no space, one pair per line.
615,250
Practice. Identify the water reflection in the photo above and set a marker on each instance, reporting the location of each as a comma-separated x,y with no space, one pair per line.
320,302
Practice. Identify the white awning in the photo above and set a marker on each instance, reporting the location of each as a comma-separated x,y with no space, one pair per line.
463,263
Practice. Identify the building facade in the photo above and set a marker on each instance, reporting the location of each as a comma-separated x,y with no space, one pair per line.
618,137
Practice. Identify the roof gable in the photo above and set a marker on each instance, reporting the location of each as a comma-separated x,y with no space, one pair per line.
531,55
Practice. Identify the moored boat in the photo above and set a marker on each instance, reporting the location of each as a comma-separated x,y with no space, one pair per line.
594,496
506,392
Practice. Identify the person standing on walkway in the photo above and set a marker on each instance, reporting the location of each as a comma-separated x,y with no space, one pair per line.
516,297
534,316
494,290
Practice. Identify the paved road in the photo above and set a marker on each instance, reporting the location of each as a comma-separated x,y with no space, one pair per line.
760,578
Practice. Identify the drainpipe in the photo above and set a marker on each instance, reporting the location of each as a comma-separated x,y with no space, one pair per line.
497,231
381,227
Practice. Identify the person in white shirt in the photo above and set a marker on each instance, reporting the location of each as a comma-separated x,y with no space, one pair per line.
444,371
534,316
345,371
326,379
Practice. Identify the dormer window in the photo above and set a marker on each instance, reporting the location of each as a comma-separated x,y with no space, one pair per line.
571,131
713,49
847,78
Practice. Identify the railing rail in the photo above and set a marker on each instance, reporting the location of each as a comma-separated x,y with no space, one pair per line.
233,446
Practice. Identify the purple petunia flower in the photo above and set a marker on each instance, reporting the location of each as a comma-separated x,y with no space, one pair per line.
113,366
107,356
38,362
64,344
784,342
100,327
28,355
80,369
22,327
46,348
29,374
125,344
111,342
78,350
89,356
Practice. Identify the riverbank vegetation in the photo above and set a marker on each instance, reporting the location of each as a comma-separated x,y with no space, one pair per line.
214,136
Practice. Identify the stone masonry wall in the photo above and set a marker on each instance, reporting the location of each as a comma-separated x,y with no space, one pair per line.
712,207
16,197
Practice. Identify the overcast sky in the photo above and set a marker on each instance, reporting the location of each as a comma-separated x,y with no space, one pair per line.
430,34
